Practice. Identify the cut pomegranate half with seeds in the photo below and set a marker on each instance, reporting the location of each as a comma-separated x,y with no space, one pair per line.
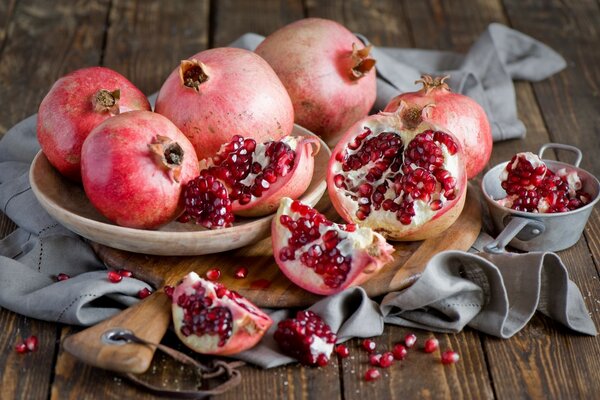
307,338
210,319
321,256
403,178
258,175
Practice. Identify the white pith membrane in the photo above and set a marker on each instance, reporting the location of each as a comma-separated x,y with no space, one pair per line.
363,245
258,156
239,307
382,220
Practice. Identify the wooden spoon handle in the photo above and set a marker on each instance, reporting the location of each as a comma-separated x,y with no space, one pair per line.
148,320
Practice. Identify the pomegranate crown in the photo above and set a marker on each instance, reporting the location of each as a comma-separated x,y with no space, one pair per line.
105,100
361,63
437,83
193,73
168,154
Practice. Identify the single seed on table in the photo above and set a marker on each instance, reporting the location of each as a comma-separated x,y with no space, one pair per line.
386,360
342,350
374,359
410,340
32,343
143,293
399,351
114,276
21,348
241,272
213,274
450,357
431,345
372,374
369,345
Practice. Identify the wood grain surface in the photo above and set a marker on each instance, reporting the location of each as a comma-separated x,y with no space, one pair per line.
42,40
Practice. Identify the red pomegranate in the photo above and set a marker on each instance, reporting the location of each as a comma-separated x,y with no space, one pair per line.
458,113
222,92
321,256
402,177
327,72
211,319
134,167
75,105
532,187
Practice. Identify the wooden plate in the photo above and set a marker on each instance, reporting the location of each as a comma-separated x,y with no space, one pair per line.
67,203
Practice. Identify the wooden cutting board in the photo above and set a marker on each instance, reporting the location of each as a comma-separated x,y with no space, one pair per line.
267,286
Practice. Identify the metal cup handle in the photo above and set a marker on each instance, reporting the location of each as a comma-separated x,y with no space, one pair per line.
525,228
561,146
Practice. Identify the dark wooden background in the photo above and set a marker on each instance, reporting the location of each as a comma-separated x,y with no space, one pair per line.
41,40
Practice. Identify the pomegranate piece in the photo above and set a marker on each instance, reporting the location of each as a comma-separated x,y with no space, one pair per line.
21,348
321,256
450,357
143,293
307,338
369,345
460,114
207,202
399,175
134,167
399,351
342,350
532,187
220,92
213,274
258,175
431,345
410,339
62,277
210,319
32,343
326,70
77,103
372,375
386,360
241,273
114,276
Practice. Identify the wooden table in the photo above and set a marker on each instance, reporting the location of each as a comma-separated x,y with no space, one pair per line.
42,40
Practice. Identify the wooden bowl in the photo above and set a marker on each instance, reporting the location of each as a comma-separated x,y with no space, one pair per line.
68,204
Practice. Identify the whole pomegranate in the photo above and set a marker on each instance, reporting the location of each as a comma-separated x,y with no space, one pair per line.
75,105
404,180
134,167
222,92
327,72
321,256
211,319
458,113
532,187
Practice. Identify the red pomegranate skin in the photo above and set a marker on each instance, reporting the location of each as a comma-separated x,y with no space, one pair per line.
313,59
122,177
67,114
460,114
242,96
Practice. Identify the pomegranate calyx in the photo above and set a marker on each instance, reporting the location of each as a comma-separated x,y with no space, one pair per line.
362,64
193,73
430,84
168,154
106,101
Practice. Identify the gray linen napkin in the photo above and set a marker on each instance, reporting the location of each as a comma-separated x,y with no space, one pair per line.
485,73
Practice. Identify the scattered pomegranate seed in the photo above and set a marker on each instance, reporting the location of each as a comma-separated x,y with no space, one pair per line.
125,273
32,343
399,351
169,291
62,277
114,276
431,345
410,340
374,359
369,345
213,274
322,360
450,357
386,360
241,273
21,348
143,293
372,374
342,350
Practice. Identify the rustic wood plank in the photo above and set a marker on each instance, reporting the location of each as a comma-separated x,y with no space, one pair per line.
146,40
7,9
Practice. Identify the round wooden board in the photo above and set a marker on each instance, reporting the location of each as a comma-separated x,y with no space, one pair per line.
266,285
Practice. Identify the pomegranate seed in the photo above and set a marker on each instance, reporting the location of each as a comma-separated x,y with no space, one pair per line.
241,273
431,345
369,345
21,348
62,277
143,293
342,350
32,343
374,359
372,374
322,360
169,291
450,357
207,202
213,274
400,352
410,340
386,360
114,277
125,273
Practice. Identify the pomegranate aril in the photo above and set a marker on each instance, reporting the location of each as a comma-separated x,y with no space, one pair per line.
399,351
374,359
450,357
213,274
386,360
143,293
31,343
114,276
369,345
431,345
125,273
241,273
62,277
410,339
372,374
322,360
169,291
342,350
21,348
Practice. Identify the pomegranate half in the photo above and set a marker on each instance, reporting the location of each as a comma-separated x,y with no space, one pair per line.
211,319
321,256
76,104
327,72
402,177
462,115
134,167
222,92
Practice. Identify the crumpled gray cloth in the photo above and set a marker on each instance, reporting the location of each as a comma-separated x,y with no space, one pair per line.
485,73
